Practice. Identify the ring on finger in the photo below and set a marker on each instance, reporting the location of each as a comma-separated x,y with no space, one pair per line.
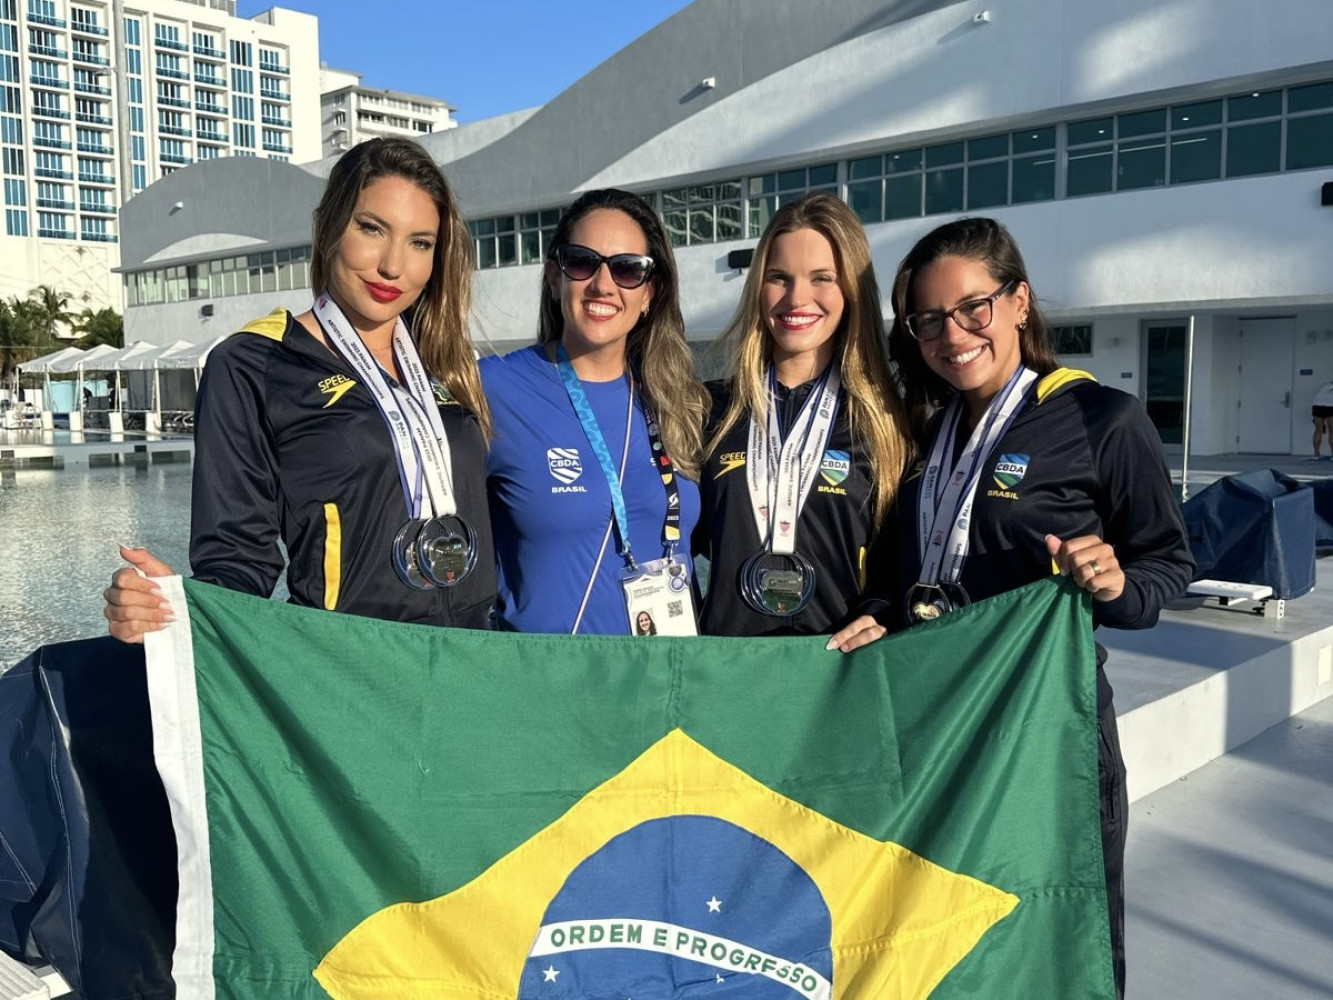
1096,567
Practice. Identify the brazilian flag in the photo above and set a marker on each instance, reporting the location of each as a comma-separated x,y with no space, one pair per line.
369,810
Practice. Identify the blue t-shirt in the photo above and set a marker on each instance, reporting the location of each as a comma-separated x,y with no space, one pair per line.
550,502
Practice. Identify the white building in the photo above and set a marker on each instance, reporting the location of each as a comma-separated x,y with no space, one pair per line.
350,113
1158,160
100,98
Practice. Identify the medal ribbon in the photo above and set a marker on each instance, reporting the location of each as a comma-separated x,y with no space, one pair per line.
780,473
419,440
949,511
583,409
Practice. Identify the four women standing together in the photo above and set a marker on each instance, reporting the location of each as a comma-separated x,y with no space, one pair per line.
357,435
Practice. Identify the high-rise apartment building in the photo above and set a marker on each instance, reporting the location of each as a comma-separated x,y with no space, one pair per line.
351,113
99,98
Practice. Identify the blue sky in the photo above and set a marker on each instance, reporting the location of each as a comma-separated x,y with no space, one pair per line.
486,57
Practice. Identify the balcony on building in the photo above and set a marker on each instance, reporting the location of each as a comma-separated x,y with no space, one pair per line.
274,95
277,147
54,175
44,112
174,158
90,119
91,59
54,22
211,107
272,67
92,88
173,130
97,208
280,122
86,178
173,102
60,203
49,51
94,237
209,79
168,43
55,234
48,143
95,149
86,28
210,53
173,74
53,82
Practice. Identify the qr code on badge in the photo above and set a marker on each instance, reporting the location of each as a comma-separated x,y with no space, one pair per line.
675,609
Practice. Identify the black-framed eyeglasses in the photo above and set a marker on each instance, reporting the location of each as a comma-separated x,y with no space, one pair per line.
579,263
972,315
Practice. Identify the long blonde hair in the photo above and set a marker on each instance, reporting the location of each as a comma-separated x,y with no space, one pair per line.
438,319
655,351
875,414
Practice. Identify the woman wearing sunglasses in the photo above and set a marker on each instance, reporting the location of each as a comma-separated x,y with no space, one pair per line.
1052,471
808,438
293,438
598,431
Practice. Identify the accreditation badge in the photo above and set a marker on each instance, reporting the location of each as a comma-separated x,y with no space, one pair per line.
658,597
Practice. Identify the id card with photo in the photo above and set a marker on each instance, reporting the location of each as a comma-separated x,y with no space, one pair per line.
658,598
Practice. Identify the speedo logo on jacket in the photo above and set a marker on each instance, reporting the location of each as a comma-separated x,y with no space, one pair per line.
335,387
566,466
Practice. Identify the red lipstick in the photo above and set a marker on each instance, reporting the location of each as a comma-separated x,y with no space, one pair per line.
382,293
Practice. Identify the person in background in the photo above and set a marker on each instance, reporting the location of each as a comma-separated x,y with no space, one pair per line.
1321,411
595,458
298,439
1030,468
808,437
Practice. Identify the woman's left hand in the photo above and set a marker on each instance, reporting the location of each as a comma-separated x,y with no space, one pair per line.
1090,563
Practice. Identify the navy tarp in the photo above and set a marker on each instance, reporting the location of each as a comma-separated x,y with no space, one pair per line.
1323,513
1254,527
85,832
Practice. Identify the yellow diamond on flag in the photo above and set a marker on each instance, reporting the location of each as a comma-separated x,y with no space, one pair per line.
680,870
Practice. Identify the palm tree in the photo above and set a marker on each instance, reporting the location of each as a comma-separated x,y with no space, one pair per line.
104,326
50,311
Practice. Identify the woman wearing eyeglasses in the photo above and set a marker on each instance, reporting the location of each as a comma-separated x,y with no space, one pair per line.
598,430
295,446
808,439
1029,467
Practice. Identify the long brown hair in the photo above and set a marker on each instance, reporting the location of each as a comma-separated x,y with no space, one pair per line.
874,406
438,319
992,246
656,350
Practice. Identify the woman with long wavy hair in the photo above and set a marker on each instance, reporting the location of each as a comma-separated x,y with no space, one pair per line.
807,440
295,445
598,434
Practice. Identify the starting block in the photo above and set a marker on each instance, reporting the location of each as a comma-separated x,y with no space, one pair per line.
1228,593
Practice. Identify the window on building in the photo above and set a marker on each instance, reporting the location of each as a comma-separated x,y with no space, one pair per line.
704,213
535,231
9,69
1310,126
16,222
243,135
768,192
1072,341
11,99
496,241
138,176
16,192
243,80
9,37
242,53
133,31
243,107
11,130
13,161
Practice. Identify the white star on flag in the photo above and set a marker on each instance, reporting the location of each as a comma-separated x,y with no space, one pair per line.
550,972
715,905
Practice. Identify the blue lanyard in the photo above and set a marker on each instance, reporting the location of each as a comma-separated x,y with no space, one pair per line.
588,419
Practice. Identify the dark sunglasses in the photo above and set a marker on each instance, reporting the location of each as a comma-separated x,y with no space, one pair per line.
628,270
